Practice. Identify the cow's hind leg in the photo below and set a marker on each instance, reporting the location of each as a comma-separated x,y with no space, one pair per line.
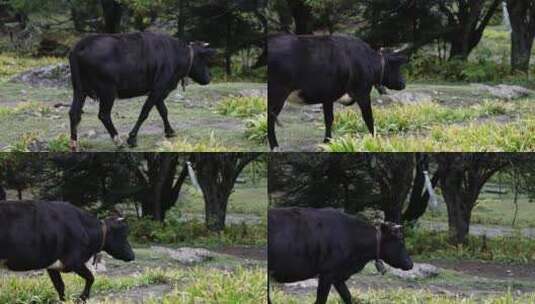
328,117
324,286
276,97
75,115
104,114
162,109
343,291
55,277
89,279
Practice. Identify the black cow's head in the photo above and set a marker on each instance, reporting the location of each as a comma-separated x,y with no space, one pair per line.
393,250
202,54
392,77
116,243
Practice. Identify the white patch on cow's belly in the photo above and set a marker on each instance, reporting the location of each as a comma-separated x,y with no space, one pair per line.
295,98
58,265
345,99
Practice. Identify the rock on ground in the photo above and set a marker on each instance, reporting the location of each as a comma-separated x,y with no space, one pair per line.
186,255
419,271
503,91
56,75
406,98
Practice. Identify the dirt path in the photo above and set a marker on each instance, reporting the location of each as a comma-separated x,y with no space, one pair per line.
478,229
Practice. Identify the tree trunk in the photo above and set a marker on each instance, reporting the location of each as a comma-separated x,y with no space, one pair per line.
523,32
419,198
302,15
19,194
181,18
112,11
2,194
228,46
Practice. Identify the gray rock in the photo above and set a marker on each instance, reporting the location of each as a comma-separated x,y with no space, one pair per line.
419,271
254,93
186,255
310,283
405,98
503,91
56,75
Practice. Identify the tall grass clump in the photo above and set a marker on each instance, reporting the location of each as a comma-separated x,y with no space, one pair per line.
243,106
256,128
207,144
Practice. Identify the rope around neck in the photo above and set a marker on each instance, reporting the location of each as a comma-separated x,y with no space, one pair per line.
190,65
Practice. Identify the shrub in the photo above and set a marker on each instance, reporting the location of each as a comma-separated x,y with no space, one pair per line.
245,106
256,128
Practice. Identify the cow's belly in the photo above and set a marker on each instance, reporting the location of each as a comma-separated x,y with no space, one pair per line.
306,98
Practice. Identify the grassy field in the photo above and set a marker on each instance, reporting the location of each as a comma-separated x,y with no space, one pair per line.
151,277
494,209
198,115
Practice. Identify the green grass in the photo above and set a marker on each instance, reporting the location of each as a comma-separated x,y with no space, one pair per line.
245,199
195,285
473,137
434,245
244,106
406,296
404,118
256,128
209,144
494,209
11,64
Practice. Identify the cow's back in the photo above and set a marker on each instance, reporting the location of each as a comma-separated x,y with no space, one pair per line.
304,242
320,67
130,64
33,235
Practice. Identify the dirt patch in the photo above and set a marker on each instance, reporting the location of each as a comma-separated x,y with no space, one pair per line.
136,295
488,270
253,253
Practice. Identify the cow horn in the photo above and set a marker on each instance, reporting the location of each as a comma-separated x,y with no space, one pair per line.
397,226
206,44
120,219
403,48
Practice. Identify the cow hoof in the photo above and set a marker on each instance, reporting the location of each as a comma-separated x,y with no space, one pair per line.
118,141
170,134
276,149
73,145
326,140
132,142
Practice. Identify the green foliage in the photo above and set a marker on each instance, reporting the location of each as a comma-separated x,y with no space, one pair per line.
435,245
195,232
256,128
243,106
12,64
408,296
404,118
240,286
513,137
59,144
207,144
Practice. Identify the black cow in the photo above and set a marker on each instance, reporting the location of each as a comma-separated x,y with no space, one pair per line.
58,237
322,69
305,243
109,66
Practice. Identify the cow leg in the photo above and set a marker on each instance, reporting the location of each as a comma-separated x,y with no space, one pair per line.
153,99
104,114
276,98
343,291
55,277
75,115
324,287
89,279
162,109
366,110
328,117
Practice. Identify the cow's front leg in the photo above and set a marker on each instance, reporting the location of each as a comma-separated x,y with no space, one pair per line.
365,106
55,277
328,117
75,116
324,287
343,291
162,109
89,279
